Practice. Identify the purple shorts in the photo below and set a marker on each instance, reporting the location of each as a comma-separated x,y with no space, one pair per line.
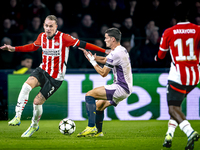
115,93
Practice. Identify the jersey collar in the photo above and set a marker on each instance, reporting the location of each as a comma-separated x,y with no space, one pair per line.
187,22
52,36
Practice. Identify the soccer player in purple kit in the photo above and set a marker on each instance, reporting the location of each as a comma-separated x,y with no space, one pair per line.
119,62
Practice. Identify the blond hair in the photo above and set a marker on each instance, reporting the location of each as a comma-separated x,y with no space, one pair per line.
52,17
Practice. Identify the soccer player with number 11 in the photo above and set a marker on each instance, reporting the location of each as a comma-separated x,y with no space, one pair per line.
183,42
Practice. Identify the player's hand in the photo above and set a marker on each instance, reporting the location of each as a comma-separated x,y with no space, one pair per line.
89,56
84,52
92,55
87,53
156,58
8,48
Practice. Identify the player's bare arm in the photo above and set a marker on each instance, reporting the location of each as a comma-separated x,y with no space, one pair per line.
101,59
102,71
8,48
93,58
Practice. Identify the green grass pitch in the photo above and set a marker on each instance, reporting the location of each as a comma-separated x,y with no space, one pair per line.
118,135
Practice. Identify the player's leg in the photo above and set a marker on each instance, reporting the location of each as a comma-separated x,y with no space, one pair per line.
176,116
101,105
114,94
49,87
176,113
31,83
174,99
175,96
37,113
91,96
172,124
37,109
186,127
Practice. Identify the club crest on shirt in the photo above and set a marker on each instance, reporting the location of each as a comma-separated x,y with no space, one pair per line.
56,44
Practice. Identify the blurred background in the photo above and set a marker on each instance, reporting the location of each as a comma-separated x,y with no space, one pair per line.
141,22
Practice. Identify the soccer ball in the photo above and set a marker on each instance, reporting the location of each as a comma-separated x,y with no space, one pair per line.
67,126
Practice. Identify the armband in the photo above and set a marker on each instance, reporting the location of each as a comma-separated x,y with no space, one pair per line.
82,44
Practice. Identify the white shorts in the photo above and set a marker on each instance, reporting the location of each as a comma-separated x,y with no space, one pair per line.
115,93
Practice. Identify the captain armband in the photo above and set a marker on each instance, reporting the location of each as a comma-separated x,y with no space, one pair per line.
109,65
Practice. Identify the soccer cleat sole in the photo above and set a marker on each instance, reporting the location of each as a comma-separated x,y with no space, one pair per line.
14,124
88,135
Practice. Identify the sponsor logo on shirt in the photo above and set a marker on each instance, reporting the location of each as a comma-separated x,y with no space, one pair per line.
51,52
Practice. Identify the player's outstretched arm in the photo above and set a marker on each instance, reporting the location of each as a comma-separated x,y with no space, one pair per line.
25,48
102,71
89,46
8,48
98,59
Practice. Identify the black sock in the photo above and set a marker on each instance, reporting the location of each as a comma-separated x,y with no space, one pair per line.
99,120
91,110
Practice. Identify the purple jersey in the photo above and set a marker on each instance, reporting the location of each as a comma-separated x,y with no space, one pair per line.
118,60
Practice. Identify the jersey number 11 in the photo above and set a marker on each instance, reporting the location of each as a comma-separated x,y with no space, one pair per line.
181,57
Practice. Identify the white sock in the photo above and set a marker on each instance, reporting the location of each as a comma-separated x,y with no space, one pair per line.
37,113
186,127
22,99
172,124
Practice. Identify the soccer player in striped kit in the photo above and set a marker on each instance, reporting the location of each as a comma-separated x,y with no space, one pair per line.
50,74
183,42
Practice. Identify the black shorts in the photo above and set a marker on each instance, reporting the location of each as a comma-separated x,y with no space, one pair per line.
48,84
176,93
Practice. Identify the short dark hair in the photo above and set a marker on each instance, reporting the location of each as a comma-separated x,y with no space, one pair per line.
181,13
52,17
114,32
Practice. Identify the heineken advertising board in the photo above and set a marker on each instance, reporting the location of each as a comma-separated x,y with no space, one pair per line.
147,101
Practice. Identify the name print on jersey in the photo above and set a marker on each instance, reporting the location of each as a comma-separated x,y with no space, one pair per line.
184,31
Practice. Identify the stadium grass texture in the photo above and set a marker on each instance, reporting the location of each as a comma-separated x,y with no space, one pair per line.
118,135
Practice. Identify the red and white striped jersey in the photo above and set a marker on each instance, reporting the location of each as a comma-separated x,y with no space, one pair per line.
183,42
55,53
